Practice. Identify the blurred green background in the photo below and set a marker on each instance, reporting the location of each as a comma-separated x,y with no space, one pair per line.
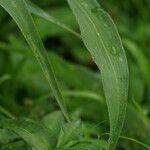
24,91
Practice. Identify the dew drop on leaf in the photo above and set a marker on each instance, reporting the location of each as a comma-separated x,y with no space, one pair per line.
99,12
105,25
114,51
121,59
84,4
96,10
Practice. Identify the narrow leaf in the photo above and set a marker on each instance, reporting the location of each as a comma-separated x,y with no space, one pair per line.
18,10
101,38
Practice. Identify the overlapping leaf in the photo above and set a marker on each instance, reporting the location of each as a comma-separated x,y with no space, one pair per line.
33,133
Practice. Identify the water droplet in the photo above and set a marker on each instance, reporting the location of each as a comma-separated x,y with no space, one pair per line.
100,13
111,142
114,51
122,47
13,3
96,9
121,59
105,25
98,34
84,4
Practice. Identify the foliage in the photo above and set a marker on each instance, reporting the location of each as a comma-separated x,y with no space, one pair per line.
85,84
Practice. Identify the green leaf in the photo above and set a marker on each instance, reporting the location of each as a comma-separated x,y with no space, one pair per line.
33,133
101,38
18,10
70,133
86,145
54,121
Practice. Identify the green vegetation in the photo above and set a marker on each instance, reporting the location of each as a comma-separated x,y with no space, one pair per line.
60,90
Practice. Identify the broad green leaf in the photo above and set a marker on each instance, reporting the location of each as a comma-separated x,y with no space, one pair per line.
18,10
101,38
69,134
33,133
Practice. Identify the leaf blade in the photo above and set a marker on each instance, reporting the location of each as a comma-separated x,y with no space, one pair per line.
101,38
18,11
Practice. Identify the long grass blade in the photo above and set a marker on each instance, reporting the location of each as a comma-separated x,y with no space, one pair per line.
101,38
18,11
34,9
